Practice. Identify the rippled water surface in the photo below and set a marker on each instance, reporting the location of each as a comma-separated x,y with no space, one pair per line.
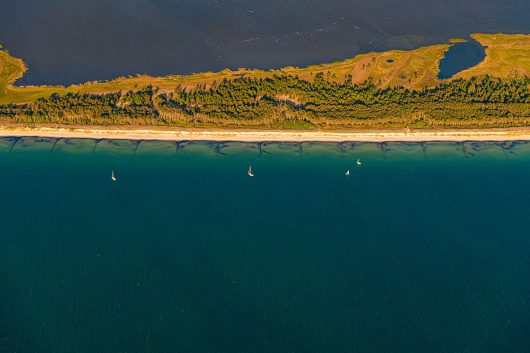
424,248
75,41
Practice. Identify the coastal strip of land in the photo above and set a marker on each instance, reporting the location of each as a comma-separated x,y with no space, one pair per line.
511,134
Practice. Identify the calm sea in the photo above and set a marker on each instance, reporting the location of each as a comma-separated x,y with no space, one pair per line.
66,41
424,248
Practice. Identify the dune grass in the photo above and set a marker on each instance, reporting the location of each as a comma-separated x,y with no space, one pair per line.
416,68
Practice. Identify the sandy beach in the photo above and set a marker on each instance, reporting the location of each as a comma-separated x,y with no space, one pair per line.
169,134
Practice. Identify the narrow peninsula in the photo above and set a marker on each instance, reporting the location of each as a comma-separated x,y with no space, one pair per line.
394,91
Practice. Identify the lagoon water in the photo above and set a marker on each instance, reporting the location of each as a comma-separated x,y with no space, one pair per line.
83,40
461,56
424,248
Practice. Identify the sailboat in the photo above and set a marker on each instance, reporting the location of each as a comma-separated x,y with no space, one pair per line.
113,177
358,162
250,174
348,173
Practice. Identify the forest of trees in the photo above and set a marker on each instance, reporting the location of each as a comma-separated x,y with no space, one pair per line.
289,102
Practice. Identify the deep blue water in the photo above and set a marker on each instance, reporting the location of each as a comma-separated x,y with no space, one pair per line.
422,249
70,41
461,56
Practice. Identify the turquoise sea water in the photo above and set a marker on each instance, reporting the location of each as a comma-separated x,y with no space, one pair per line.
424,248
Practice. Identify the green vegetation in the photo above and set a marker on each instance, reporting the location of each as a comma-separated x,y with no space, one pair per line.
375,90
290,102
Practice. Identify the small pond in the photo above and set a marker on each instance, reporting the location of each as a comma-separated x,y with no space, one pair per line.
459,57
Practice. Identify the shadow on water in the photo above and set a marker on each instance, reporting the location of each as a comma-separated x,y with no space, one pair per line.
461,56
374,151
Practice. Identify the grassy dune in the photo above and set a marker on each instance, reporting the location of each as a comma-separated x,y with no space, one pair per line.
413,69
506,55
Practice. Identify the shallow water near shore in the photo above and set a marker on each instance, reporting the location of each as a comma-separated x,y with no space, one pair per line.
424,248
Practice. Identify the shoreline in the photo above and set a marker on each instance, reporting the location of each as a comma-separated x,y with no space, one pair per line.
242,135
